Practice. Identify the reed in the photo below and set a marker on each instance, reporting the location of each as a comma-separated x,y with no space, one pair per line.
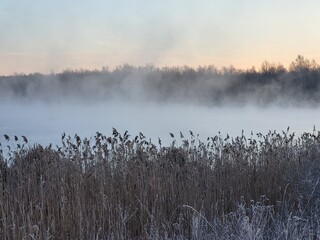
122,187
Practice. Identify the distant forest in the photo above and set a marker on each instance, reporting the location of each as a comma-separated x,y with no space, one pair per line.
271,84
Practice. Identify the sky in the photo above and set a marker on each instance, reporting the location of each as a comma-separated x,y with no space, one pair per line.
51,36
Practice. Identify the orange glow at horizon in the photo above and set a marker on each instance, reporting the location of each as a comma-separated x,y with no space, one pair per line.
42,63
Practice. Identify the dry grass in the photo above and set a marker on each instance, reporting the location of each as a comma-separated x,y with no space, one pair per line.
264,187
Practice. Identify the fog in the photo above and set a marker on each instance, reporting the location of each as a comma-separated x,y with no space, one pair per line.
156,102
271,85
44,123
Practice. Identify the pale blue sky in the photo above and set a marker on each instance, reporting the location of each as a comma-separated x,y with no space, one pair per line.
52,35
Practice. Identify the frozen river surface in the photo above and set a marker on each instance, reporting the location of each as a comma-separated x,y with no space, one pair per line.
44,123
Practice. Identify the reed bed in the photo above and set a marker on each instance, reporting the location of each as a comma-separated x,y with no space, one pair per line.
122,187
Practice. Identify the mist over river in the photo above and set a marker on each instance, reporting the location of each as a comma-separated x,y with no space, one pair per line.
44,123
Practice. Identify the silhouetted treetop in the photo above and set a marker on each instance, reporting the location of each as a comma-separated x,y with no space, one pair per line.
301,64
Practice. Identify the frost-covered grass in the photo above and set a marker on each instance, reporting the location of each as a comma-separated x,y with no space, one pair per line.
122,187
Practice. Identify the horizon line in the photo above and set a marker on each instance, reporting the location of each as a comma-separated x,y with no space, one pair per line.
103,68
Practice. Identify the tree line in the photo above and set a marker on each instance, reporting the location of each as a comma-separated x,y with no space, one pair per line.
271,84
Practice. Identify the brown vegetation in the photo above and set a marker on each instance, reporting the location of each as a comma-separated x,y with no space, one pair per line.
129,188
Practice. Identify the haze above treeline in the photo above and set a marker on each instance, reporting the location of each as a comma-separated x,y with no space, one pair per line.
297,85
